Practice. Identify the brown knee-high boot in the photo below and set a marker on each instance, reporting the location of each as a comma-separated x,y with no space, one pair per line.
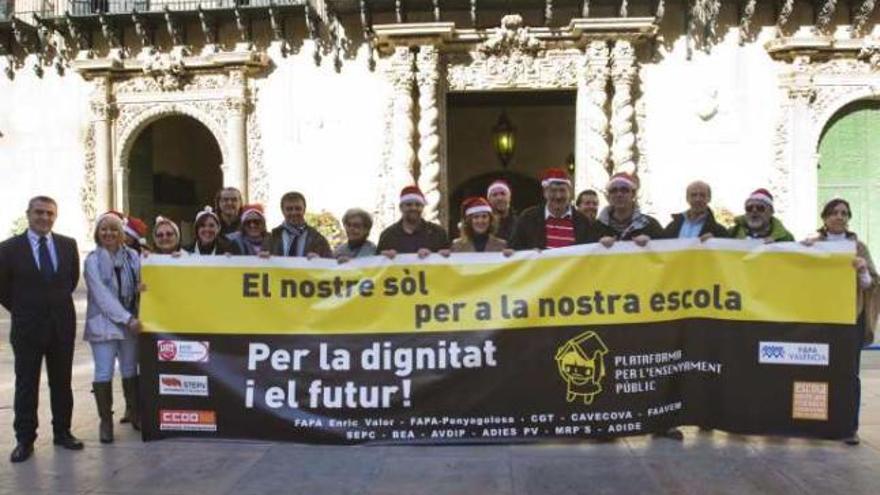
104,399
130,388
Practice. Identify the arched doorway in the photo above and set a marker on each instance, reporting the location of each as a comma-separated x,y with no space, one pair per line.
174,171
849,166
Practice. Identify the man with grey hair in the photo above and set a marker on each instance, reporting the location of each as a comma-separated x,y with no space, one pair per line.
358,224
698,220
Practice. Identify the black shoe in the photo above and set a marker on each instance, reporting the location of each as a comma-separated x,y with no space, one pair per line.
853,440
68,441
672,434
22,452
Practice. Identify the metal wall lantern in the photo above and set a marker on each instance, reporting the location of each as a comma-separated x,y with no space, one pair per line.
504,139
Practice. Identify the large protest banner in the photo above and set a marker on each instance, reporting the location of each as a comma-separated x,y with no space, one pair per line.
580,342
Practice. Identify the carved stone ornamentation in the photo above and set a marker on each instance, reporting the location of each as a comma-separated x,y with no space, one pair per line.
623,73
597,76
89,189
870,53
644,165
427,76
785,11
258,177
102,110
338,41
703,25
556,69
862,15
235,105
403,117
167,70
779,176
110,32
745,21
147,84
511,39
399,171
825,15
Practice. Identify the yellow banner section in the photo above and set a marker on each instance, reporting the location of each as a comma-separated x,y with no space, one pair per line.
735,281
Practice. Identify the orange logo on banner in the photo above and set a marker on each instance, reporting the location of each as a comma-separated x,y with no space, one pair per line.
170,419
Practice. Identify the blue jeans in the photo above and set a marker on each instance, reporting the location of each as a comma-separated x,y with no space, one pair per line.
107,352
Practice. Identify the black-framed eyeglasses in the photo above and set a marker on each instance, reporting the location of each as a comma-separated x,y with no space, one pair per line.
757,208
614,190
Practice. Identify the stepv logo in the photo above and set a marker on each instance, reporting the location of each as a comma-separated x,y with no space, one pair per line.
192,385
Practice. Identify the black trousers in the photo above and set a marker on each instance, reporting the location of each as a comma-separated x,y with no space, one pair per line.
28,365
858,342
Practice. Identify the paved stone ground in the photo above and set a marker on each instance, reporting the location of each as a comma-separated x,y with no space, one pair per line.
704,463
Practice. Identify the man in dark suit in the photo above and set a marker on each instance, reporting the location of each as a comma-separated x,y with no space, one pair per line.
295,237
39,271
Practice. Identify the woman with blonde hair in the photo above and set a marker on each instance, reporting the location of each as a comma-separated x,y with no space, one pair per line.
112,275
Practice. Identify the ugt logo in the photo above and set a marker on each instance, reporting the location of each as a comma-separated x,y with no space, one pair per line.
581,363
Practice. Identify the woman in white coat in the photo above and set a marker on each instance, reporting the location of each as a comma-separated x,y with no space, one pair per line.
112,274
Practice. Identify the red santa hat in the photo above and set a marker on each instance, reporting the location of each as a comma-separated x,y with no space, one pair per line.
207,210
472,206
499,184
623,179
137,229
167,221
555,175
412,194
762,196
252,211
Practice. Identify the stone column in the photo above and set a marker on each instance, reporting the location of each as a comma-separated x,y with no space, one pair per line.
403,129
591,121
106,195
793,179
623,73
427,75
799,204
235,166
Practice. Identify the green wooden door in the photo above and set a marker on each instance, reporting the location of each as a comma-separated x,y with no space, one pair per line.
849,167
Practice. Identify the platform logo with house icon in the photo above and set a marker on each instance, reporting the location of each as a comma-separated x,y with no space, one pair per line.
581,364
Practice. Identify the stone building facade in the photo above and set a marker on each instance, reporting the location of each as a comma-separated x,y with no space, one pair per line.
347,101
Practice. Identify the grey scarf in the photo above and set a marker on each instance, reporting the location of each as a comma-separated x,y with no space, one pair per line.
125,284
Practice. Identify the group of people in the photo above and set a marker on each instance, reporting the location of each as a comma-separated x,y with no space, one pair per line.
40,269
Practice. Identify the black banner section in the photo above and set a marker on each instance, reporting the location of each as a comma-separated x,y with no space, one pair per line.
503,386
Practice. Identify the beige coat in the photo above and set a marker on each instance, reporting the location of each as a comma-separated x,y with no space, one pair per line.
464,245
867,299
